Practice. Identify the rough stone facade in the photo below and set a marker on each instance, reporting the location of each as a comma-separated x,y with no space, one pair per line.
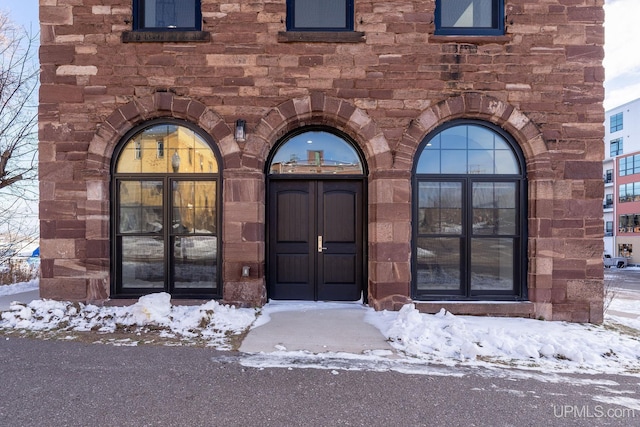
542,82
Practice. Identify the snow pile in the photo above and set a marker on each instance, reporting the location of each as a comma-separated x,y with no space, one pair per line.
526,343
211,322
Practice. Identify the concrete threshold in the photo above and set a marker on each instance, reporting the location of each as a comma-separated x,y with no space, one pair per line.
318,329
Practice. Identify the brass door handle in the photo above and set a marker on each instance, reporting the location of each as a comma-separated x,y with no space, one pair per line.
320,247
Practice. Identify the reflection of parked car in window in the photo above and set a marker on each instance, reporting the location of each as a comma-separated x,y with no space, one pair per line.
609,261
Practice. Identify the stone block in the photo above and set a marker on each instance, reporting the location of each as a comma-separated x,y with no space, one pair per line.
245,294
513,309
97,291
58,248
585,290
392,252
64,289
60,93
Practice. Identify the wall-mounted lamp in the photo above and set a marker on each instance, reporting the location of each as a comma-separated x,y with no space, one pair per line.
175,161
245,270
241,132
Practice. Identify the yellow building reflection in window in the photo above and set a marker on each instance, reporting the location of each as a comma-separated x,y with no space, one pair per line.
145,152
166,190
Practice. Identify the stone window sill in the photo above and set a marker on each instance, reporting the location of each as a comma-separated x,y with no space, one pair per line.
165,36
470,39
321,36
479,308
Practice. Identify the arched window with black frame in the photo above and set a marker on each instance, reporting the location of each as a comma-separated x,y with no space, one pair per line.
165,220
469,215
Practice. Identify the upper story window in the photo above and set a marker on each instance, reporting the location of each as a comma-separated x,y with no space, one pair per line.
615,123
629,165
616,147
160,149
183,15
608,227
608,200
469,17
319,15
629,192
629,223
608,176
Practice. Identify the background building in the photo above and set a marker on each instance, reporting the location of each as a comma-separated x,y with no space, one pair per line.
441,153
621,173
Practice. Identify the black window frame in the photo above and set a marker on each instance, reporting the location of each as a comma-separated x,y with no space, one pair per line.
520,237
615,147
616,122
497,28
608,228
349,18
608,176
608,201
138,19
168,236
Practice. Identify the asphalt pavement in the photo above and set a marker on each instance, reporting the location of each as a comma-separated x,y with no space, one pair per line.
58,383
622,278
66,383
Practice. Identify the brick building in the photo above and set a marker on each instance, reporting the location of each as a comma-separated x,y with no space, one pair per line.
621,204
444,153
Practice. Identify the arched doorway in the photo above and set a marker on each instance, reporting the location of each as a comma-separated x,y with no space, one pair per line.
316,237
165,217
469,215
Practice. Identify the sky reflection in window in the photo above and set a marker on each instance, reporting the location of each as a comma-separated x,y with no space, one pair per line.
316,152
468,149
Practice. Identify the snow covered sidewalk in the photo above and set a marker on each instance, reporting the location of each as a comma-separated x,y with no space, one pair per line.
442,339
625,304
24,291
17,288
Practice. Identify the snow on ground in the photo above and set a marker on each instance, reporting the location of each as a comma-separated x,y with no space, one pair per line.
418,338
523,343
211,323
17,288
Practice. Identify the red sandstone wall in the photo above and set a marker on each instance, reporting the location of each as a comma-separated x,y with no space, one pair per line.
542,82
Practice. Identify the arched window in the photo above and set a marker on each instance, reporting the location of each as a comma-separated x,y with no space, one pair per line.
316,152
165,212
469,215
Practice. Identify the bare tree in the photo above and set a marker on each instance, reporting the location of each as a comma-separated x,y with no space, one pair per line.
18,137
18,109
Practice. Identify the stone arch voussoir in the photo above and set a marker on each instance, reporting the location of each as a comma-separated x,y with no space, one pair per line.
319,109
483,107
160,104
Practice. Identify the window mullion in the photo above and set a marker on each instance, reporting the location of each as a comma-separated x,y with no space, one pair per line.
467,235
168,220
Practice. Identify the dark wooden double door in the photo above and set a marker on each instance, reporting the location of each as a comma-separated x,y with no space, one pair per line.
315,240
